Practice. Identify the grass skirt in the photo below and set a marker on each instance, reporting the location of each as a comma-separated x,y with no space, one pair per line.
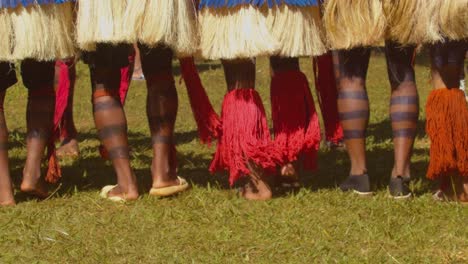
357,23
41,32
151,22
247,31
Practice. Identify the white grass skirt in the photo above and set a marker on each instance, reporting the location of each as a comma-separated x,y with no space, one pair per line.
247,32
41,32
151,22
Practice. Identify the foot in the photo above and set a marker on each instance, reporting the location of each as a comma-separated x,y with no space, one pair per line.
6,204
34,184
289,177
453,191
335,145
6,195
253,193
166,183
7,200
288,170
170,190
399,187
138,75
68,148
126,194
359,184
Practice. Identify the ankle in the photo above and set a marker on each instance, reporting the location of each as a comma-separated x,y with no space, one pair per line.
31,173
358,171
159,182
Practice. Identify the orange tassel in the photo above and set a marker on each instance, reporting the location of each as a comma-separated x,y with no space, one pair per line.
54,172
447,127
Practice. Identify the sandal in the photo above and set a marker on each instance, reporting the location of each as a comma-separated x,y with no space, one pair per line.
105,194
170,190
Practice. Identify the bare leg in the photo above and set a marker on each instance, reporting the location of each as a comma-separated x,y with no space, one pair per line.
38,77
353,106
353,103
138,67
404,105
240,74
161,110
6,190
110,120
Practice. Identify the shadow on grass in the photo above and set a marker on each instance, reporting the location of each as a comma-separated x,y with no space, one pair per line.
334,164
91,173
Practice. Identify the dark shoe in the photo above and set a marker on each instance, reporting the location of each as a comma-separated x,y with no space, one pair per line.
399,187
359,184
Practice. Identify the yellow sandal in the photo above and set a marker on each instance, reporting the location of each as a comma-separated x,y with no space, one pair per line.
170,190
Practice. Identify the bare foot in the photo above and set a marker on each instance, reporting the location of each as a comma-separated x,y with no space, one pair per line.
6,193
6,204
253,193
138,75
455,189
289,177
7,201
129,194
335,145
69,148
257,189
34,184
288,170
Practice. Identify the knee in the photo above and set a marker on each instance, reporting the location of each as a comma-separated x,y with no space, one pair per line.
156,61
38,75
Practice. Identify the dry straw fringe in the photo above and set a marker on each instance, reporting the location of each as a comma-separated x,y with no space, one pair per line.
152,22
232,33
100,21
426,21
453,17
172,23
6,34
353,23
44,33
297,29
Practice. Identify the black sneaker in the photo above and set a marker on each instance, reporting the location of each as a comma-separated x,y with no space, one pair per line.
359,184
399,187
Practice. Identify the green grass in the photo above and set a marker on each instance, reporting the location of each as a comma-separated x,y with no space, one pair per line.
210,224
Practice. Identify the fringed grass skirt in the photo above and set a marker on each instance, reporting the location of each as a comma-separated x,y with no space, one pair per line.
350,24
151,22
40,32
252,30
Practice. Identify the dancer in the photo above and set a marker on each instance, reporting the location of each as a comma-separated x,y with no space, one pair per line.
237,32
65,76
446,108
162,28
351,29
35,34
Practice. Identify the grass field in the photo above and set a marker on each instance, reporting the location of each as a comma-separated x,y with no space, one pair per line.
210,224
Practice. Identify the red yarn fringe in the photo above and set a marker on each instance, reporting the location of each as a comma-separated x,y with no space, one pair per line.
447,127
325,84
295,121
207,119
244,137
54,172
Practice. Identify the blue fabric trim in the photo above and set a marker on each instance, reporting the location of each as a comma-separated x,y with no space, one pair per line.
15,3
269,3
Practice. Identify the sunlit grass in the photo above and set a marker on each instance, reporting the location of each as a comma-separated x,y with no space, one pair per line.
210,224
